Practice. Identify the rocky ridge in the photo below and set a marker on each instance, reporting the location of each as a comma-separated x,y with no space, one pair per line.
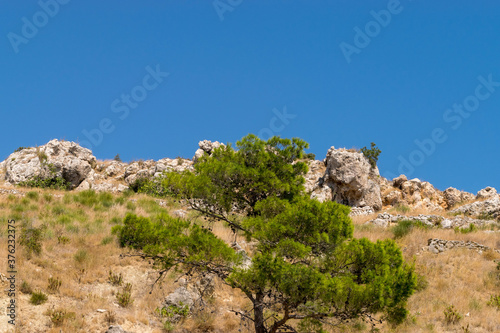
344,176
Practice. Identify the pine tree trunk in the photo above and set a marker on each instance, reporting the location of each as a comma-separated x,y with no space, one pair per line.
258,313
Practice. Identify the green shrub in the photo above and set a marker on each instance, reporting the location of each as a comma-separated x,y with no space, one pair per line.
117,158
38,297
56,183
469,229
451,315
19,149
403,228
138,184
310,156
371,154
31,238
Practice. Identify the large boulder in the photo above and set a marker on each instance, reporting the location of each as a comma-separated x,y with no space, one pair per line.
352,179
64,159
454,197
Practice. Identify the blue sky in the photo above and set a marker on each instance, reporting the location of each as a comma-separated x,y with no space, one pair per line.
335,73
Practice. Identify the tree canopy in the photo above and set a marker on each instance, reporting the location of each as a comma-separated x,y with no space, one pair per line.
306,268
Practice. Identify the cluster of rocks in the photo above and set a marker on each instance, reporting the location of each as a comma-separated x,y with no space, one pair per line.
437,246
77,166
206,147
489,208
412,193
386,219
62,159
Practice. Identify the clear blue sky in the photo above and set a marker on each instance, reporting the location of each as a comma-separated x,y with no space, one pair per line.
235,65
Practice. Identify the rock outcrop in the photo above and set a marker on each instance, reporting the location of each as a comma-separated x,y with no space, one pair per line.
206,147
486,193
486,208
386,219
454,197
346,177
62,159
413,193
150,168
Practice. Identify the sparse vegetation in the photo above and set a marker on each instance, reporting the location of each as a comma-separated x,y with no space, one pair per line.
54,285
60,316
25,288
19,149
31,239
451,315
38,297
115,279
124,297
371,154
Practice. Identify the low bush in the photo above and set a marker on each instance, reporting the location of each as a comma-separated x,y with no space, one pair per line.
403,228
38,297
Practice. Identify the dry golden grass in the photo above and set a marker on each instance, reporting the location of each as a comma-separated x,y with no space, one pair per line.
456,277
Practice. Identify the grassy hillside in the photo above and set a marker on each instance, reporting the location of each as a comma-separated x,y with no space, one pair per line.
80,266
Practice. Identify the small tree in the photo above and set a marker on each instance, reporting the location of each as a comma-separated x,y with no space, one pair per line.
117,158
306,269
371,154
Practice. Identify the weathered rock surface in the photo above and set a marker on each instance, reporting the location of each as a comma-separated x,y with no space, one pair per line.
489,207
150,168
437,246
352,179
453,197
386,219
57,158
314,181
180,297
486,193
206,147
413,193
361,211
